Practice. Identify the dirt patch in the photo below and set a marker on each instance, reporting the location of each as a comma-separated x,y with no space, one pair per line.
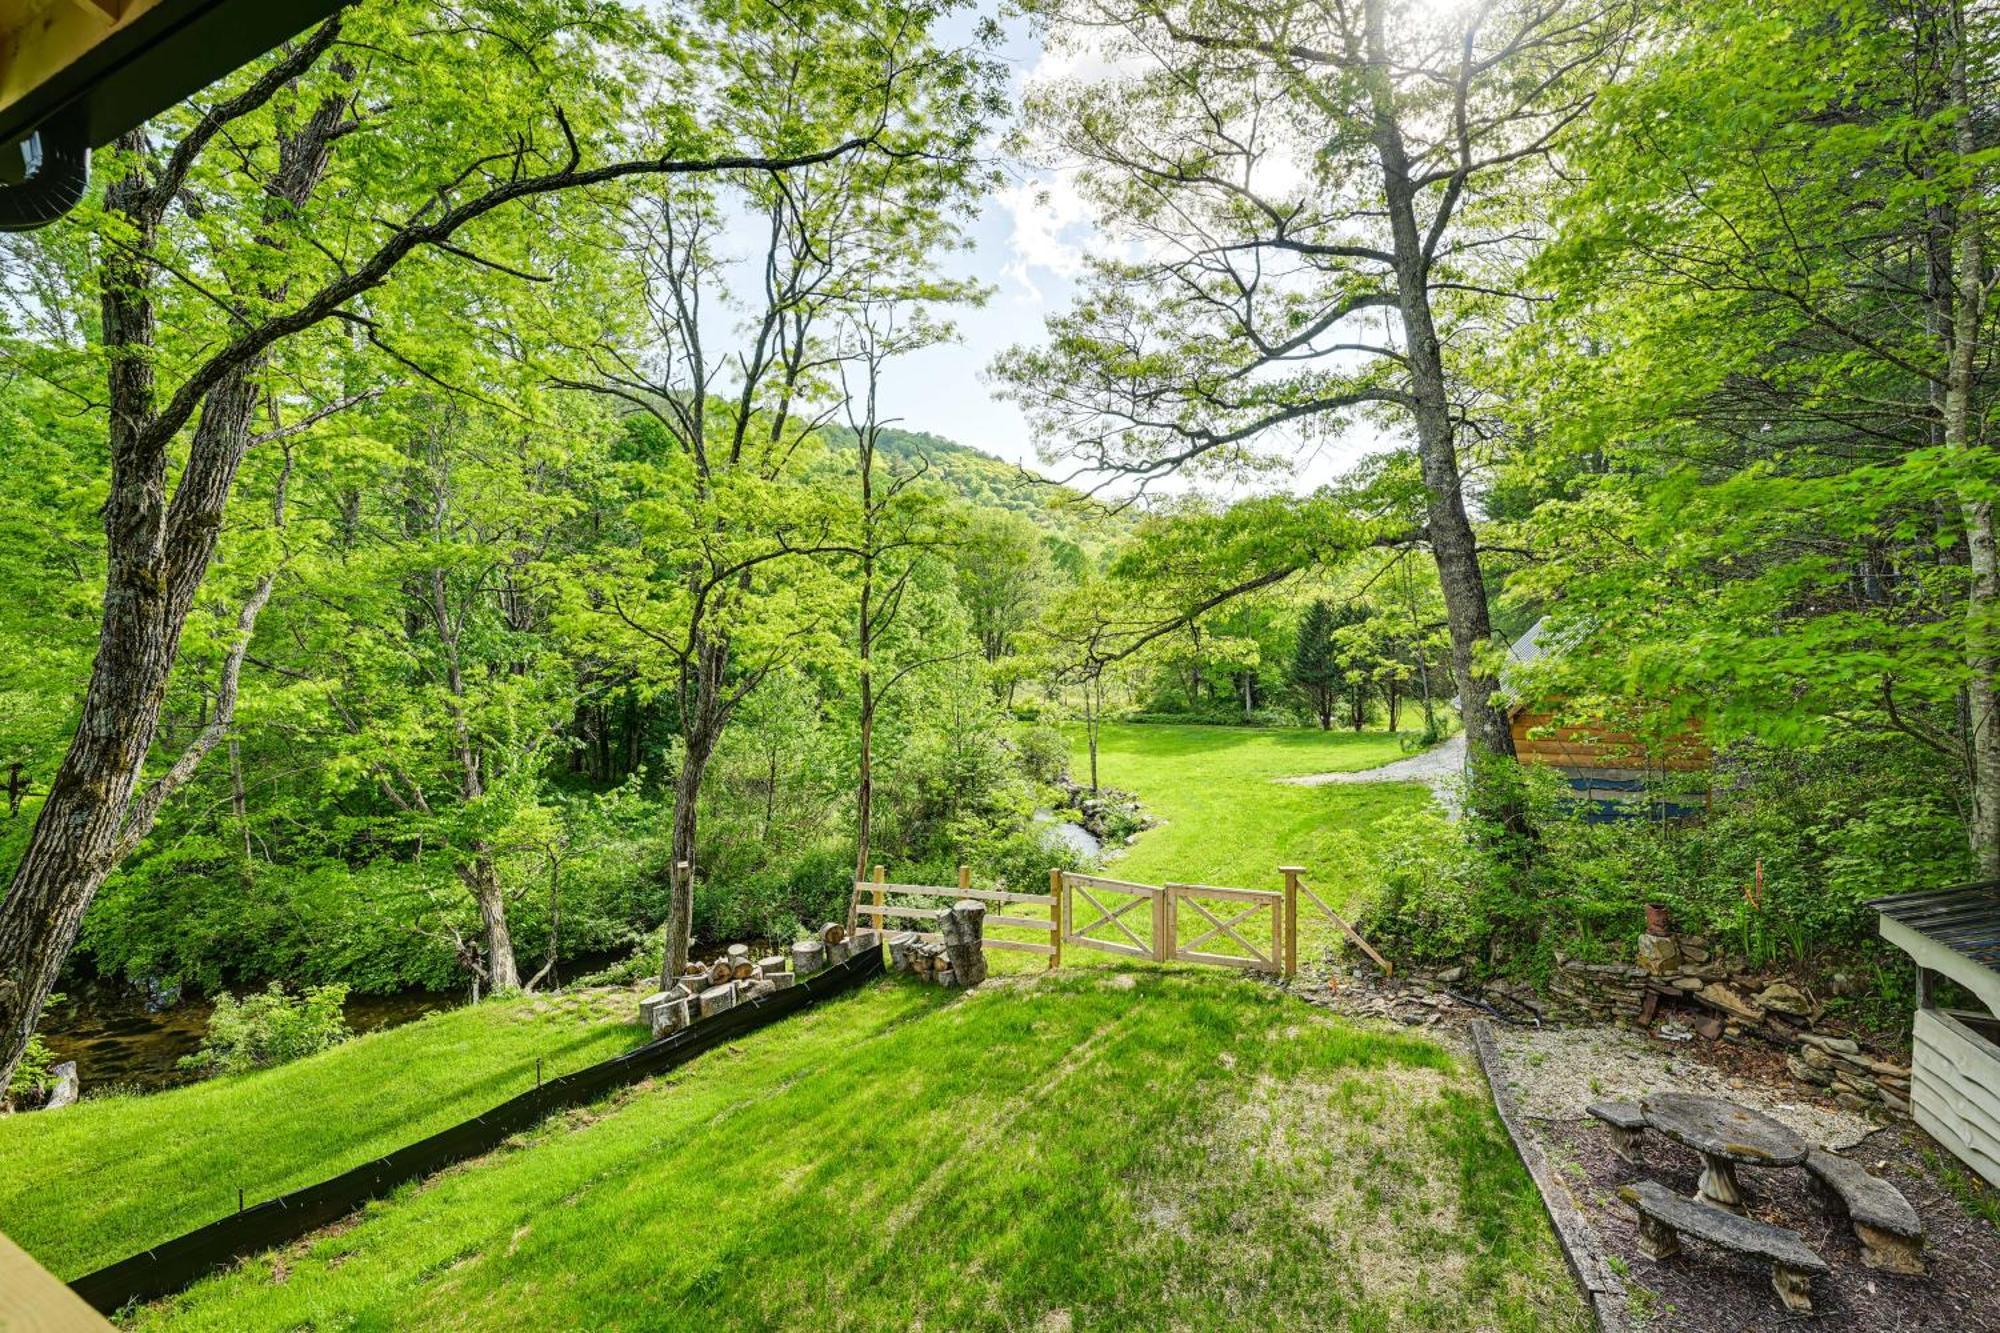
1707,1291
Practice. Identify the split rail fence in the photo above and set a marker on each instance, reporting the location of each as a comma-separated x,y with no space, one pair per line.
925,903
1253,929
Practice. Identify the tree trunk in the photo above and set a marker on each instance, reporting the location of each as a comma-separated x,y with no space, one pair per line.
1453,544
482,880
1968,301
703,716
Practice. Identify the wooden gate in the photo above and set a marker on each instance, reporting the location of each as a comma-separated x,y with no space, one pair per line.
1192,923
1090,903
1231,927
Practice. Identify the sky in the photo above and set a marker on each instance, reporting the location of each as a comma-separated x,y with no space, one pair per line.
1028,244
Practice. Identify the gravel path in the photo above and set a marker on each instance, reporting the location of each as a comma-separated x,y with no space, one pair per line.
1438,768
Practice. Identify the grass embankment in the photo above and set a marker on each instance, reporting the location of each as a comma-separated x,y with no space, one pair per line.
114,1175
1144,1149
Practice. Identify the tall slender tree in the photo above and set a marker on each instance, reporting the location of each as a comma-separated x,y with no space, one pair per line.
258,232
1319,196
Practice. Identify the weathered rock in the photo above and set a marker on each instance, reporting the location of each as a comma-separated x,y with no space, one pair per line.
1658,954
1785,998
67,1087
1730,1001
1805,1072
1837,1045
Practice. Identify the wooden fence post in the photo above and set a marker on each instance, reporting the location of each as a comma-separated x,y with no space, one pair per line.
965,877
1291,874
881,900
1056,916
1165,923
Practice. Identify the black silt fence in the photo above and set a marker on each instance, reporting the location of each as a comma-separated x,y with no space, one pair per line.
175,1264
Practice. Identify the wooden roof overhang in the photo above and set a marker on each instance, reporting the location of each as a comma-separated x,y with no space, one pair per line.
1953,931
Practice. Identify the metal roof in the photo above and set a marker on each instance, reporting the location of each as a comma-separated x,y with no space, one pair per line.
1964,918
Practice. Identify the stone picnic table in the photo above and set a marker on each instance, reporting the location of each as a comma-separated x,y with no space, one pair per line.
1727,1136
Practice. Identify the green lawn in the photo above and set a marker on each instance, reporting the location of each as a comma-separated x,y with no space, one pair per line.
113,1175
1225,821
1146,1149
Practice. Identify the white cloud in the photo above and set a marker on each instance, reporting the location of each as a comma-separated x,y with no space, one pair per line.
1051,229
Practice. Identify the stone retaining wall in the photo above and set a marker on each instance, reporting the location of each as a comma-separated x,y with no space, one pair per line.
1684,980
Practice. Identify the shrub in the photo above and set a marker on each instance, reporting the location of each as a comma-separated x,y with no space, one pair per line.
35,1075
1044,753
270,1028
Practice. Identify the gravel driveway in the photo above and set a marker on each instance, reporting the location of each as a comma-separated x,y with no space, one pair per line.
1440,768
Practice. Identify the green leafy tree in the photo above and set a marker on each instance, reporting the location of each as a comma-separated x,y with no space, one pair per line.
244,252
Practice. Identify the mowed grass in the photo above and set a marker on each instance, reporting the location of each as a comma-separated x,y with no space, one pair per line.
115,1175
1145,1149
1226,820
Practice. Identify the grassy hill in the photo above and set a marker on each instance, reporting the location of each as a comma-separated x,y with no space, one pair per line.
1139,1149
111,1176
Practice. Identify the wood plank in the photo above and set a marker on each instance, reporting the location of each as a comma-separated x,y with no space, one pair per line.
913,913
946,891
1024,946
1108,946
32,1300
1024,922
1271,897
1388,970
1258,964
1114,885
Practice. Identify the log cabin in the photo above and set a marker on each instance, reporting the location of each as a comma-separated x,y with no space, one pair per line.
1604,763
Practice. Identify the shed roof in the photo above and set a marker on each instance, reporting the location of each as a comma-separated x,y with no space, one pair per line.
1954,930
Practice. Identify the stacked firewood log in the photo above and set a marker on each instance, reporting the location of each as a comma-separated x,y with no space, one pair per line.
708,988
955,957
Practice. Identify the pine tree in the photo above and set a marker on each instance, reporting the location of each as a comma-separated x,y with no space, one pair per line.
1315,670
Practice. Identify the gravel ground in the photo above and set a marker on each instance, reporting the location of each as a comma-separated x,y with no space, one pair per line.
1440,768
1555,1074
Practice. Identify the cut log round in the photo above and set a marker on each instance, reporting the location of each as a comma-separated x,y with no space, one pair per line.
808,957
720,972
964,929
742,969
832,933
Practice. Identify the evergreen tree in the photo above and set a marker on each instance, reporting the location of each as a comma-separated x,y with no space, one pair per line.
1316,671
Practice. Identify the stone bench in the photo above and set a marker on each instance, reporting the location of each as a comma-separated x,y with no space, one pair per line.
1664,1217
1627,1126
1891,1234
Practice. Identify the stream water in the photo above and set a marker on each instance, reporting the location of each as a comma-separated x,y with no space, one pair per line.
1060,832
117,1041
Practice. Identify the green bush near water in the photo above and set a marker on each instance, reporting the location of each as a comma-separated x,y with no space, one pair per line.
269,1028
